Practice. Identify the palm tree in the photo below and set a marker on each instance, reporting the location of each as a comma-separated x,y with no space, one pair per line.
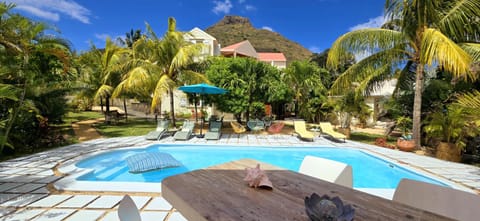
20,41
424,34
304,78
159,66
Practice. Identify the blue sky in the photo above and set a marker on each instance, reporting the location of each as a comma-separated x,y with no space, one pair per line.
315,24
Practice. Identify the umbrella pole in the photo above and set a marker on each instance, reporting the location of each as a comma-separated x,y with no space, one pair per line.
203,120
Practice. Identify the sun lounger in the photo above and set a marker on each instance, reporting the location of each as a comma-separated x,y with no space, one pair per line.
328,130
256,125
214,131
237,127
127,210
276,127
452,203
328,170
301,130
157,134
186,132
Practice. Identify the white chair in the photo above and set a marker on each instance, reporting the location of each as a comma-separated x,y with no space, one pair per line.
452,203
127,210
328,170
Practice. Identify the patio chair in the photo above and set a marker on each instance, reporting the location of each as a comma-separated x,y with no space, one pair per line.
328,170
276,127
452,203
256,125
237,127
301,130
186,132
328,130
127,210
214,130
157,134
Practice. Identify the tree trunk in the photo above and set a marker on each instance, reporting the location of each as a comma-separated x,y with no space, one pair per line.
107,109
16,110
172,106
101,105
125,109
417,106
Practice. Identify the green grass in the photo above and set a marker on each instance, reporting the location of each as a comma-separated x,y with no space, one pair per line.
133,127
370,138
72,117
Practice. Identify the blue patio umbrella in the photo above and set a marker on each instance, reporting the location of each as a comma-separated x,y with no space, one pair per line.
202,89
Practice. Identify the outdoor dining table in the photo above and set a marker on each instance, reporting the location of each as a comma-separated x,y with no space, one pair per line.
219,193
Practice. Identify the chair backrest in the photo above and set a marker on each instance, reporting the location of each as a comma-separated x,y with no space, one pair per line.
127,210
237,127
188,125
299,125
276,127
446,201
215,126
328,170
326,126
162,125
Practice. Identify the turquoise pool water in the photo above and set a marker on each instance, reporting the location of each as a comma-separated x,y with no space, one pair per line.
368,171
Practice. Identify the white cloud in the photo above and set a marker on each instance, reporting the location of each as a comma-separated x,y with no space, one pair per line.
314,49
250,7
102,36
267,28
241,1
222,7
52,9
372,23
39,13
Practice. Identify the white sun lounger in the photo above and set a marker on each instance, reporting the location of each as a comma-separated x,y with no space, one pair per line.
328,170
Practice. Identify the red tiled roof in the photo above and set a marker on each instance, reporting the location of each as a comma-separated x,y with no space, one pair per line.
233,47
271,57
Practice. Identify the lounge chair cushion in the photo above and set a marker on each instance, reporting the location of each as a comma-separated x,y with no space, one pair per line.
143,162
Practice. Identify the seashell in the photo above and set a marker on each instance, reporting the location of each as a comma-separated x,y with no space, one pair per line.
326,209
257,178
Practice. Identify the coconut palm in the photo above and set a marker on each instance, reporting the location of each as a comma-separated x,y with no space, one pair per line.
423,34
159,66
303,77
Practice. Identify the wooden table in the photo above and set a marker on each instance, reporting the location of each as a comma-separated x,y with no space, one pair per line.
219,193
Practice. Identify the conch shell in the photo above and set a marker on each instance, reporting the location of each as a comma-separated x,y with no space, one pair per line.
257,178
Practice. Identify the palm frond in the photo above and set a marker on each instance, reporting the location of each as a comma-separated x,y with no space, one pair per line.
437,47
8,91
473,49
370,40
470,100
461,19
162,87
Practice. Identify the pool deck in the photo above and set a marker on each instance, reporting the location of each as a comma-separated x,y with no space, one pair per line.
27,192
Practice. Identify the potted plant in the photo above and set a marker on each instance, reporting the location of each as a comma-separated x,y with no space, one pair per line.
450,127
405,142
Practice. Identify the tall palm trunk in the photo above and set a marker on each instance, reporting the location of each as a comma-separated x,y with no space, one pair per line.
172,107
13,116
417,106
417,102
107,109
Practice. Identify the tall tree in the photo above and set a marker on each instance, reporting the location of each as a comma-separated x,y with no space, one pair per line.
161,65
28,62
426,34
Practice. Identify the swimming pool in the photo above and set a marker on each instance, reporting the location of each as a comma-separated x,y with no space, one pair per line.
368,170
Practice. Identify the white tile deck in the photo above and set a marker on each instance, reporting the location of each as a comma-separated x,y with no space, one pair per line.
26,188
176,216
158,203
23,200
21,215
54,215
86,215
50,201
78,201
111,216
7,196
105,202
153,215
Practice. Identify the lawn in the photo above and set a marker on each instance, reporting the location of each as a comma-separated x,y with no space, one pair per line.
133,127
370,138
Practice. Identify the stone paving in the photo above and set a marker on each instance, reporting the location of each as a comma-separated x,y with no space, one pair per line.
27,193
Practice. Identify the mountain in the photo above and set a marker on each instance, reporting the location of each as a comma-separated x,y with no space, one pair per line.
233,29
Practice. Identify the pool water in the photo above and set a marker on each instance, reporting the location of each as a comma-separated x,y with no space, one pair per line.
368,171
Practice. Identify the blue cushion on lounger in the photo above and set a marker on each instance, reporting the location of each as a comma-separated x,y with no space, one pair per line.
150,161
